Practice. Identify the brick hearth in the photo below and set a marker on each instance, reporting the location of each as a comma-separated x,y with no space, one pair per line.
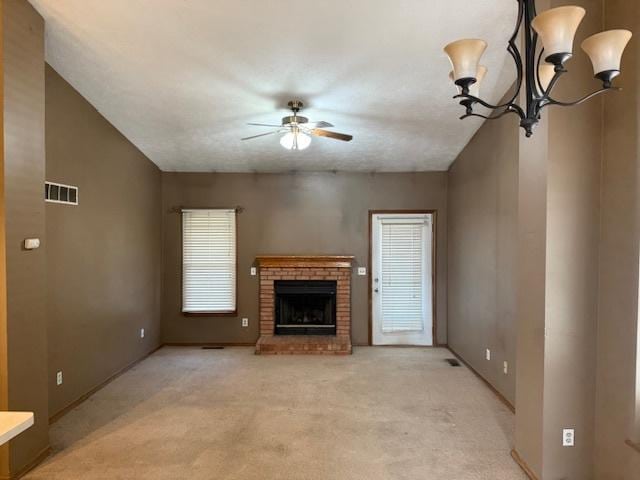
336,268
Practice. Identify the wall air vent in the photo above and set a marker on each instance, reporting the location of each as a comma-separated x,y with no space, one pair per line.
59,193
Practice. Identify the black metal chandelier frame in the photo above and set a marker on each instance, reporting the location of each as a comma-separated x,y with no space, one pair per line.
528,72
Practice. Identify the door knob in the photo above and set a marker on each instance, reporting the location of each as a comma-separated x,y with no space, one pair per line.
375,290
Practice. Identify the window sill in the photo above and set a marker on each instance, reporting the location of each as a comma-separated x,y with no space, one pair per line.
635,446
233,313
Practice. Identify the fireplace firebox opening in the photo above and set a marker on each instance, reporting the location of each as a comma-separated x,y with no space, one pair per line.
305,307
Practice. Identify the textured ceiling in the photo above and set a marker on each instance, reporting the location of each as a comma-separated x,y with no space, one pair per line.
180,78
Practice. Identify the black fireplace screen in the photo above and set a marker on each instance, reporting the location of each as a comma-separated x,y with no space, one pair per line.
305,307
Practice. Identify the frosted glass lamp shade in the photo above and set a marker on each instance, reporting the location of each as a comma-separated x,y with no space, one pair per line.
295,140
605,51
465,56
557,28
474,89
546,73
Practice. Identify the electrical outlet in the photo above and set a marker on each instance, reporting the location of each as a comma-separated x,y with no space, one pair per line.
254,271
362,271
488,354
568,437
505,368
245,322
59,378
142,333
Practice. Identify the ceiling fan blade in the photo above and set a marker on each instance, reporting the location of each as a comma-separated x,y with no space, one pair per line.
326,133
317,125
264,125
261,135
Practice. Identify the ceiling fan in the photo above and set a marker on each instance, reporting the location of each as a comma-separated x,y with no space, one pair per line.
298,130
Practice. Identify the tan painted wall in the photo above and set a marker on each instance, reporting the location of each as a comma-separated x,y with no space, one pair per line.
573,215
4,367
482,240
619,240
24,178
559,213
292,214
104,255
530,298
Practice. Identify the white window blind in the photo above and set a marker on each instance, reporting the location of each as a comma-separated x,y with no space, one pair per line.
208,261
403,288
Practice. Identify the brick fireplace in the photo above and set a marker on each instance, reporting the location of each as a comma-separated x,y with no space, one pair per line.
282,272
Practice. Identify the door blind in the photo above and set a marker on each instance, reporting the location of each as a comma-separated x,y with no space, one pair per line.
208,261
403,275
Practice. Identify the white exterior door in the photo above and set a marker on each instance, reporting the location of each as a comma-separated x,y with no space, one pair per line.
402,279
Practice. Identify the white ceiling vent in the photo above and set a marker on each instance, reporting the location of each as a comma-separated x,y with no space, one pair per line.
59,193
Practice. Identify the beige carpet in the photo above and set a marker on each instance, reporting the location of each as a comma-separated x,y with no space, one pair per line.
380,414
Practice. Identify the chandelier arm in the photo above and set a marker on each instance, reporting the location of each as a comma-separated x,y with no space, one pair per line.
531,43
538,71
512,48
510,105
551,101
547,93
490,117
480,101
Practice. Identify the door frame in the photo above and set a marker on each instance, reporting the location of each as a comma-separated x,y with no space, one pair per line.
434,269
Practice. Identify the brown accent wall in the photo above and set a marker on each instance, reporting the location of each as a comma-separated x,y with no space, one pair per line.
482,241
301,213
4,367
578,268
533,157
619,253
573,226
104,255
24,104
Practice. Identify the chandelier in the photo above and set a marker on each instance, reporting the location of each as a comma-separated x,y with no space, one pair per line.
556,29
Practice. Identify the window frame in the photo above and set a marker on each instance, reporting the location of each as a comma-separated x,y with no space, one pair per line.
226,313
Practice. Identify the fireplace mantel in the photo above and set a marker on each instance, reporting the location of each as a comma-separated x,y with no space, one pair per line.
305,261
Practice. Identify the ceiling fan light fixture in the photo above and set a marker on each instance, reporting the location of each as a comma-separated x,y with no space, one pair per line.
298,130
295,140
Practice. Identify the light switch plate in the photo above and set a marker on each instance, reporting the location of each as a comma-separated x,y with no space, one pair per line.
488,354
362,271
31,243
142,333
254,271
505,368
568,437
59,378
